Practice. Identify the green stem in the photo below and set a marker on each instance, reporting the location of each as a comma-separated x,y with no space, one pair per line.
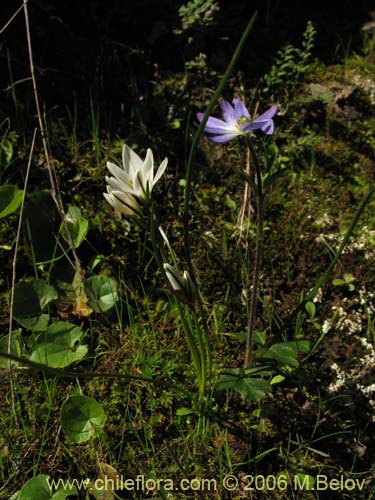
197,136
257,258
336,256
204,333
202,349
193,349
160,257
334,261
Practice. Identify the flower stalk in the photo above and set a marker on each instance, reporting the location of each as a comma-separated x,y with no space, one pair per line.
198,134
258,256
185,292
238,122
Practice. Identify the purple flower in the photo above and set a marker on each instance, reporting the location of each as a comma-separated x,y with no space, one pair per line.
236,122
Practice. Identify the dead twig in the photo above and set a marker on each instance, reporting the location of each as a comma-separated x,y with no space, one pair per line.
55,192
11,19
14,265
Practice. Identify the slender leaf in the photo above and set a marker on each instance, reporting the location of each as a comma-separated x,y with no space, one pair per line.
15,347
77,225
10,200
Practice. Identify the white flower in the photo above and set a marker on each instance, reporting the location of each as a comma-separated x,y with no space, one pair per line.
133,182
122,202
182,285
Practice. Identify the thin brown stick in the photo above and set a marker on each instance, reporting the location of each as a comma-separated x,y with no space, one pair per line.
18,236
14,266
245,211
11,19
55,193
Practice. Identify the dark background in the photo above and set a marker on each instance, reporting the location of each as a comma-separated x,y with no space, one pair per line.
111,49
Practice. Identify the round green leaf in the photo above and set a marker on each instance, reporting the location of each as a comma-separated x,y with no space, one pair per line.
36,488
40,488
81,418
35,323
102,292
59,346
30,298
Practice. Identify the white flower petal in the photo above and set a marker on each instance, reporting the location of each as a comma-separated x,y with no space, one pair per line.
174,278
115,203
188,284
130,160
161,170
138,188
110,199
118,172
148,171
119,185
182,286
164,236
125,203
128,185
